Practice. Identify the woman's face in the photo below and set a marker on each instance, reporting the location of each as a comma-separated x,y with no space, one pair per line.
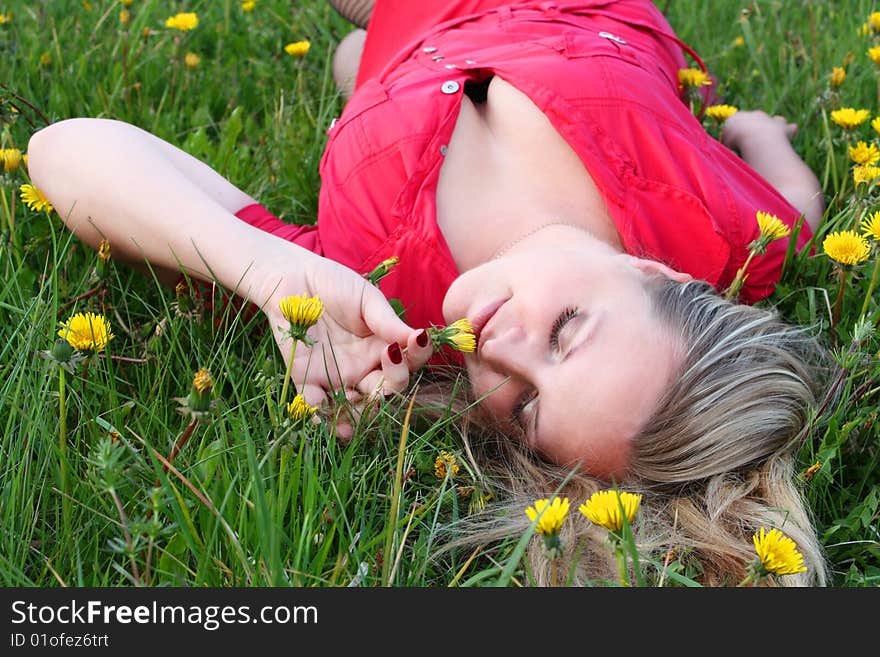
569,354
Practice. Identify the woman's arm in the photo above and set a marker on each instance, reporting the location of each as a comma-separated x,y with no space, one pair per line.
152,202
764,142
156,204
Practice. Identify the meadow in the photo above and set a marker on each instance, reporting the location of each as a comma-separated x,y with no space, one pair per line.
104,482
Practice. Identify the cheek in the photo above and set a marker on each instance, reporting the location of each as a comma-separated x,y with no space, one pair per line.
608,462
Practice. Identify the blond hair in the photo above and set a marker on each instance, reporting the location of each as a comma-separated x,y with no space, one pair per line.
714,463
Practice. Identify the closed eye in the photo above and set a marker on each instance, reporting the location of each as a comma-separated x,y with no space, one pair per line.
530,395
568,314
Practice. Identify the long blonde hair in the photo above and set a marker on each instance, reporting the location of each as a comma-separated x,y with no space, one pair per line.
714,464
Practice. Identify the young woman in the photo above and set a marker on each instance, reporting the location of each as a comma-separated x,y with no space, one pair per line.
535,167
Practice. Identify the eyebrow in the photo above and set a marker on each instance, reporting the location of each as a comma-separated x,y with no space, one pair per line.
593,322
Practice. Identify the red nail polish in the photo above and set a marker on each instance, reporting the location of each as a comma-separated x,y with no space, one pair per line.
422,338
394,353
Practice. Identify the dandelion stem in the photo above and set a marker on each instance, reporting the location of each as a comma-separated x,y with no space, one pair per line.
837,304
62,446
871,286
621,564
736,285
287,375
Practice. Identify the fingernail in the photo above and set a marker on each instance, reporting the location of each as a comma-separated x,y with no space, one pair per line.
422,338
394,353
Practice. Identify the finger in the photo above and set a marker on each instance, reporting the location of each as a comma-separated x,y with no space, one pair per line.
314,395
371,386
381,319
395,368
791,130
418,350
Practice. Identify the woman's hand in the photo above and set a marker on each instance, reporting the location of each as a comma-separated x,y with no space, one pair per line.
764,142
747,127
362,350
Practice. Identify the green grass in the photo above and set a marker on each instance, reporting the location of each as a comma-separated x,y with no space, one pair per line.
246,505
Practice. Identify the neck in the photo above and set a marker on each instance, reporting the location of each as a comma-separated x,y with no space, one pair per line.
558,234
512,243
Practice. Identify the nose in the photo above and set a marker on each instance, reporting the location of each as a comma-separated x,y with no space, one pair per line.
510,353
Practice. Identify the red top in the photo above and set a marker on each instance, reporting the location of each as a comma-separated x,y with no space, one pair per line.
603,72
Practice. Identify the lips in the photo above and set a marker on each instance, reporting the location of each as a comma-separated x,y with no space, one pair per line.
481,319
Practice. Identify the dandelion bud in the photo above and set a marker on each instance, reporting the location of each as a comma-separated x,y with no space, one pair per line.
382,270
61,351
200,402
10,159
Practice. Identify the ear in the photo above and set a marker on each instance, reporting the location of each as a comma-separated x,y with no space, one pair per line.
651,267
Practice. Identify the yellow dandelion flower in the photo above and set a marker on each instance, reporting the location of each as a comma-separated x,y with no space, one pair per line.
812,470
45,59
86,332
104,250
248,5
871,226
739,42
10,159
849,117
302,312
297,48
553,516
863,30
863,153
124,16
771,227
126,3
192,60
603,508
298,409
459,335
874,21
693,77
34,198
875,123
865,174
445,462
838,75
874,54
778,553
721,112
846,247
203,382
5,18
184,21
463,339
